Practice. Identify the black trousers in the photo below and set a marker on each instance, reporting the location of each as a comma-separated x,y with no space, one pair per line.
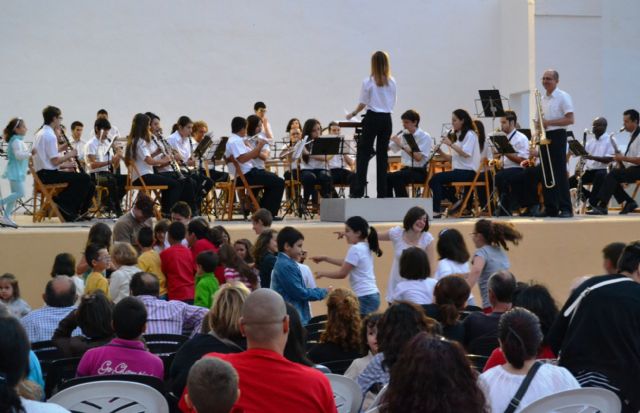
201,185
438,181
557,198
115,184
187,189
76,198
589,177
169,196
218,176
375,127
525,187
273,188
397,181
341,176
610,185
506,182
312,177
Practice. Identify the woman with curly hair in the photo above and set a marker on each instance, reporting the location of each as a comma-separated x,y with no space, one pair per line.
432,375
235,269
341,339
399,324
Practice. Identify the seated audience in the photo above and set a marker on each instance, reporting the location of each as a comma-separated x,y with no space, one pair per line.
10,296
202,238
235,269
100,235
65,264
341,338
125,354
481,330
296,348
94,318
244,249
127,226
124,258
99,260
268,381
14,367
450,296
520,338
165,317
415,284
206,281
537,299
59,297
213,386
369,343
432,375
177,266
149,259
399,324
265,252
261,221
598,339
221,335
610,256
160,235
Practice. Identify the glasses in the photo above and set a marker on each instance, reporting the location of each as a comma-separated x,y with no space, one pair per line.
547,78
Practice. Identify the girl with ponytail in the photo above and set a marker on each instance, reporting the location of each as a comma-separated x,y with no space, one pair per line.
490,239
16,169
358,264
520,337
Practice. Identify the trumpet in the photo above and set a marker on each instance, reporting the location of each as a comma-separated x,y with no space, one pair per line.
540,139
257,137
167,151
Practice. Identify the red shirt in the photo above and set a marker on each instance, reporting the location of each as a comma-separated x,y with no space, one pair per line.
269,383
177,266
497,357
206,245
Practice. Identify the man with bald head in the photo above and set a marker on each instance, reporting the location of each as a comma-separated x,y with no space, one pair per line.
59,297
268,381
600,154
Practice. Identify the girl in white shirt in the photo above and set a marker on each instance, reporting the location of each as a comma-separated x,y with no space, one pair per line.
416,286
358,264
313,168
453,253
16,169
141,152
465,158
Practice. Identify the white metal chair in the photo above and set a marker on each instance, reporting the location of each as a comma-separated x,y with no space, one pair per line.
111,396
586,400
346,393
374,408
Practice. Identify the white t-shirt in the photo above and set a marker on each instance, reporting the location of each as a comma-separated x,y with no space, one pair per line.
184,146
257,162
555,106
416,291
236,147
307,278
99,150
46,145
499,386
598,147
633,150
381,99
520,143
339,162
471,147
143,150
450,267
399,245
424,141
362,277
31,406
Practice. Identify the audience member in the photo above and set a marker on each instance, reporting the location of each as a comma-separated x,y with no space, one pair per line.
235,269
450,296
160,235
296,348
484,327
453,253
65,264
177,266
125,354
99,260
165,317
415,284
10,296
610,256
202,238
243,248
213,386
369,342
124,258
261,221
520,338
432,375
59,297
226,237
265,252
149,259
286,278
206,281
262,369
127,226
341,338
94,318
99,234
14,367
596,332
222,335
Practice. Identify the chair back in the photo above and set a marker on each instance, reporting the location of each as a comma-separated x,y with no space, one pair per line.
58,372
586,400
338,366
378,400
318,319
483,345
46,350
477,362
164,344
312,328
346,393
150,381
111,396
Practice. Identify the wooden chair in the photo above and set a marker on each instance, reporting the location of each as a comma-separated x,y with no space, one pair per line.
43,194
245,190
98,199
473,188
153,191
436,165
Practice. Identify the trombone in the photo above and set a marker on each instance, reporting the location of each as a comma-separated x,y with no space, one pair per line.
543,142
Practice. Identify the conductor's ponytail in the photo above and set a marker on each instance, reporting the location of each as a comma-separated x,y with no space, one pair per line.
359,224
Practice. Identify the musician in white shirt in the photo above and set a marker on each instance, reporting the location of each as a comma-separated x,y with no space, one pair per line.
611,184
114,133
341,167
378,96
511,170
255,131
78,144
314,169
414,164
200,129
73,200
236,147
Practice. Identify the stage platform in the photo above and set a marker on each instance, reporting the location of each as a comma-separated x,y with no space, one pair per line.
554,251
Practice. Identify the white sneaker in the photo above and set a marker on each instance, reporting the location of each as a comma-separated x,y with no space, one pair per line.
7,222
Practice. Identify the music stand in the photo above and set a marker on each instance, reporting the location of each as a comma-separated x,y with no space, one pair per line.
502,144
218,154
491,102
576,148
326,145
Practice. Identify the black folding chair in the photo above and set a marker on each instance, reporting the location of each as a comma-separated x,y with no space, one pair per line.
478,362
60,370
338,366
164,344
318,318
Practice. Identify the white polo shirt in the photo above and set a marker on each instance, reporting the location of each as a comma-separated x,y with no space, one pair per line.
471,147
143,150
520,143
381,99
555,106
46,145
338,162
257,162
236,147
633,150
598,147
314,163
98,149
424,141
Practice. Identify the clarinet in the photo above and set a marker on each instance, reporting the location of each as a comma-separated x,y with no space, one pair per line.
79,168
166,151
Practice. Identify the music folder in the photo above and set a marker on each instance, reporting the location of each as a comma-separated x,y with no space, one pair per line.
326,145
222,146
491,103
502,144
576,148
411,141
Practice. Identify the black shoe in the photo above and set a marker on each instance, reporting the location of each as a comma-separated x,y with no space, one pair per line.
596,210
547,213
276,218
565,214
629,206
